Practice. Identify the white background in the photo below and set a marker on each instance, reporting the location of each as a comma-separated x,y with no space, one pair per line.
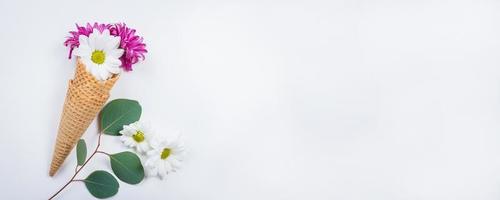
291,100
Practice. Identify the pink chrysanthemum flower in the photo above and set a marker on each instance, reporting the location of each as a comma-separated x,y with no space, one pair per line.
131,43
73,42
133,46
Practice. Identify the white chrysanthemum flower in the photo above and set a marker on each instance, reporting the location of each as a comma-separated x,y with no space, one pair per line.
137,136
165,157
100,54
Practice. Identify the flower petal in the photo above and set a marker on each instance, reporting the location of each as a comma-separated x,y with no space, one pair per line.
105,33
82,51
113,62
176,164
152,161
83,40
162,171
112,43
92,40
103,72
92,68
100,42
140,147
153,171
128,141
114,70
167,165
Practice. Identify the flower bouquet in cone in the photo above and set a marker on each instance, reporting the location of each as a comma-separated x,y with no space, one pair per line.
103,51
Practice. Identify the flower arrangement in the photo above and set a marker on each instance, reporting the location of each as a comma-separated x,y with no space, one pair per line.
103,51
121,117
131,44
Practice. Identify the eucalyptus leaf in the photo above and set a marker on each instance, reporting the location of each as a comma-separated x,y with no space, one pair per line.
81,152
101,184
127,167
117,113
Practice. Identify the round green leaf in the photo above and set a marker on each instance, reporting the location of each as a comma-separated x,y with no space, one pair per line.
101,184
117,113
81,151
127,167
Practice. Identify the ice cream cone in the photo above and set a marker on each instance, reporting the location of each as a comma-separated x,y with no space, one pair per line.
84,99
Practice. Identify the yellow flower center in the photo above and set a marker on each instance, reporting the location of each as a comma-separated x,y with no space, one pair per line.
138,136
98,57
165,153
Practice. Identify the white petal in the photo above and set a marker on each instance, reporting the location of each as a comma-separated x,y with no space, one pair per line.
152,161
168,166
129,142
138,125
145,145
124,132
140,147
149,162
153,153
114,70
153,171
127,133
92,40
83,51
112,43
103,73
113,62
127,130
105,33
132,127
94,70
99,43
106,71
83,40
79,52
175,163
150,136
116,53
162,171
86,62
98,33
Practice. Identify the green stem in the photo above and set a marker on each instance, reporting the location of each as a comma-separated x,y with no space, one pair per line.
103,153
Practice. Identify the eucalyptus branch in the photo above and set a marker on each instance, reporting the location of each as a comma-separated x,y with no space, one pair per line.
102,152
77,170
125,165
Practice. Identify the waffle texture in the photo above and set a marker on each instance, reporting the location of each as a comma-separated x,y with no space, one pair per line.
84,99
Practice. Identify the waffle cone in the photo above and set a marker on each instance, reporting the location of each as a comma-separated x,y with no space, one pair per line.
84,99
